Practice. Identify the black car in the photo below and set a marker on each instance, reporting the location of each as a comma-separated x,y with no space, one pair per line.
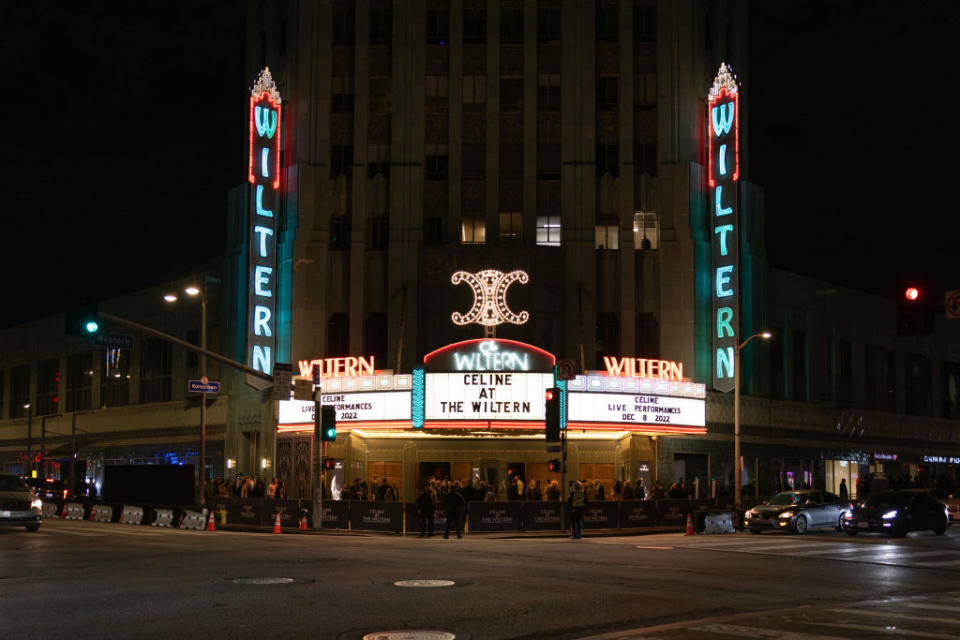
797,511
898,513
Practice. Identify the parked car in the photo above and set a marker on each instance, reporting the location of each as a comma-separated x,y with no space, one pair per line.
18,505
898,513
798,511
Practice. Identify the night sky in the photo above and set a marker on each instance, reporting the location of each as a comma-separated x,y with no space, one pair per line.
126,129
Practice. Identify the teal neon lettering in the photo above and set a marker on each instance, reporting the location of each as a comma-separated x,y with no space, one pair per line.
263,233
260,210
723,281
261,321
261,277
265,162
722,117
724,316
266,120
723,160
719,196
722,231
725,362
261,358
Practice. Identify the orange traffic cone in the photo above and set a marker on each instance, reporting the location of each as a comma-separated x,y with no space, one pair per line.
303,523
276,524
210,525
689,525
93,510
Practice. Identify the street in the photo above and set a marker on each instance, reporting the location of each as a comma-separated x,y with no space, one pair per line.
89,579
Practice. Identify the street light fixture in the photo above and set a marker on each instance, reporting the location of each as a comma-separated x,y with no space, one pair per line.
170,297
737,501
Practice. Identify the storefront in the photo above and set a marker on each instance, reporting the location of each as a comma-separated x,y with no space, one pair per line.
844,467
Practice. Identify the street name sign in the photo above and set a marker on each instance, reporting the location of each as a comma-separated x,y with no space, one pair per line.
201,386
113,340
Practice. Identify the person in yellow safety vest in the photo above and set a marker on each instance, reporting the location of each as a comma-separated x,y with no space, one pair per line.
577,502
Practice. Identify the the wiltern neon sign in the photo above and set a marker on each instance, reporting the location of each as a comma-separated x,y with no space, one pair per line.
723,130
489,299
264,177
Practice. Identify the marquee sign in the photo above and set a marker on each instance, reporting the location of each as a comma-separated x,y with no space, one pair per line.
486,396
348,367
264,177
644,368
490,354
350,407
723,169
489,298
629,410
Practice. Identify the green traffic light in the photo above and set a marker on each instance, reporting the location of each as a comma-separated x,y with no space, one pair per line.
92,326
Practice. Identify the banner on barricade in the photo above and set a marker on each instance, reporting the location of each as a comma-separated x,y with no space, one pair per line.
336,514
413,518
494,516
543,516
601,515
376,516
638,513
673,513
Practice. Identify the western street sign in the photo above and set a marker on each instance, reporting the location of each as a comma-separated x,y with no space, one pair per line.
114,340
199,386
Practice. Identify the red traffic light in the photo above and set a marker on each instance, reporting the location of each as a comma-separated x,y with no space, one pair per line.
912,293
549,394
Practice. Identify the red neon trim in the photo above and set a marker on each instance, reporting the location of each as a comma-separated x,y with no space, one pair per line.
724,93
619,426
347,426
276,143
436,352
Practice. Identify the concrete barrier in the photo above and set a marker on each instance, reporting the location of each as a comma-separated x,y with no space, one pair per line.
194,520
131,515
163,518
75,510
102,513
51,509
718,522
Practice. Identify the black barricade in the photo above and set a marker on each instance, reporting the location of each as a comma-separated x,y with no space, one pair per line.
242,510
543,516
413,519
494,516
289,511
601,515
378,516
336,514
673,513
702,505
638,513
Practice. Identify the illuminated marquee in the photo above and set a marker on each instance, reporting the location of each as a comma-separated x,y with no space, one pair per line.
338,367
264,177
486,396
723,131
489,298
489,354
375,406
631,410
643,368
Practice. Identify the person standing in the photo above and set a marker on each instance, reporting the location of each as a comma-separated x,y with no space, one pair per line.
454,505
843,493
577,502
426,505
272,489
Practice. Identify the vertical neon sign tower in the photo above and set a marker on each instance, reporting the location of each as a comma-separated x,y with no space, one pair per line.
264,177
723,130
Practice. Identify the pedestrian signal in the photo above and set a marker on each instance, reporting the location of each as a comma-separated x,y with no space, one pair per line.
329,464
554,466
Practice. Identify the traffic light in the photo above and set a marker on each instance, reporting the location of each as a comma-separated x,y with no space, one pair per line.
329,464
915,312
552,406
81,313
328,423
554,466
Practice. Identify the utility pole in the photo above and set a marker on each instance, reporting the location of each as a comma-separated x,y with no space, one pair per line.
29,465
320,449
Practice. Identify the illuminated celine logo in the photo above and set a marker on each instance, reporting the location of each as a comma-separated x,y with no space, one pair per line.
338,367
488,357
489,298
643,368
723,129
264,176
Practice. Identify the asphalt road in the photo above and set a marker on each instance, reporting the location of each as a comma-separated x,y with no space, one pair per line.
87,579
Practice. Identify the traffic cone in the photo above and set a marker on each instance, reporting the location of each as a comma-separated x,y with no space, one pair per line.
180,523
689,525
93,510
210,524
303,523
276,524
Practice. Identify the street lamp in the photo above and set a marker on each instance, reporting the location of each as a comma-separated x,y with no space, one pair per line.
29,465
737,502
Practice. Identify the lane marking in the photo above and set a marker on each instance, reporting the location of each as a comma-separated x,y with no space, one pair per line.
935,607
904,616
883,631
759,632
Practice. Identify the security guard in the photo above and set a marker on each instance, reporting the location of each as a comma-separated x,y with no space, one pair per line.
577,502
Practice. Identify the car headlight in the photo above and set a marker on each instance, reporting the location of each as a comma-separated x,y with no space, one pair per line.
753,513
786,515
36,503
890,515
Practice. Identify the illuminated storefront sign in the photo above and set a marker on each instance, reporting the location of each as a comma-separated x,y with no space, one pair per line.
350,407
634,409
492,354
338,367
643,368
885,457
723,129
942,459
264,177
486,396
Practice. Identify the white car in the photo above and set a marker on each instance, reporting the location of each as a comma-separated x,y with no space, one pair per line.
18,505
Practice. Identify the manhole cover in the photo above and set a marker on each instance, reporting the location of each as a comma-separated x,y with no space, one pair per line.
424,583
410,635
264,580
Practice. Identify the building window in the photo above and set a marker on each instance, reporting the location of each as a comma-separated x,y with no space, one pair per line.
474,161
436,86
379,233
607,92
474,27
799,366
156,369
474,90
511,26
19,390
343,32
825,362
511,94
548,92
438,27
341,160
644,23
607,237
338,336
548,24
378,160
79,381
115,378
645,89
607,23
340,233
375,338
473,230
342,88
511,227
950,390
433,230
880,379
381,25
48,387
919,382
608,337
608,159
548,231
648,336
436,161
645,159
645,234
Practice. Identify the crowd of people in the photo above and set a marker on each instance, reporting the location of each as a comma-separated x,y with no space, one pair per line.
245,486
